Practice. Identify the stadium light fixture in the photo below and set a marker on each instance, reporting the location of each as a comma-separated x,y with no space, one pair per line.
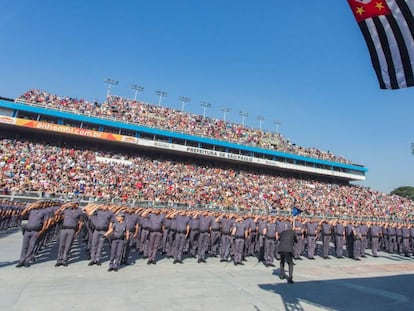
137,89
205,106
260,118
225,111
160,94
184,101
109,83
277,125
244,115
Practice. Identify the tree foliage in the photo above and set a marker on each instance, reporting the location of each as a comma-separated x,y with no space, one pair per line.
406,192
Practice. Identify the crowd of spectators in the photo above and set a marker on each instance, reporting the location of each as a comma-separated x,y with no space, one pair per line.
126,110
26,165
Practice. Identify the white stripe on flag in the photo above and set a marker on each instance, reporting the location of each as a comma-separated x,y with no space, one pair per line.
405,30
410,4
380,53
402,23
395,52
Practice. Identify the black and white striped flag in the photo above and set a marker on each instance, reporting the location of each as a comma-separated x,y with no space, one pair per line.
388,29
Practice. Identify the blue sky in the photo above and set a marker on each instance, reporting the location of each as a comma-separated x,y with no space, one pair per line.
303,63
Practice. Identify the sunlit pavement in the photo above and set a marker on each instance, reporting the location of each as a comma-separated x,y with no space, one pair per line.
383,283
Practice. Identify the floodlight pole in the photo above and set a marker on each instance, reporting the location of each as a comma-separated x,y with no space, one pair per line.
184,101
244,115
277,125
225,111
137,89
260,118
205,106
109,83
160,94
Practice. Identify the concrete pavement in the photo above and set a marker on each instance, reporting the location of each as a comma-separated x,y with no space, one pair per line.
381,284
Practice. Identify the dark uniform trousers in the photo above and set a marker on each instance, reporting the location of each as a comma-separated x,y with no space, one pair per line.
97,244
399,246
30,239
117,246
276,252
238,249
65,242
350,245
252,243
339,245
225,246
357,248
128,244
392,243
406,246
165,236
170,243
326,238
143,241
298,247
260,246
364,245
178,246
153,244
412,245
269,250
386,239
215,241
374,245
193,242
311,238
202,245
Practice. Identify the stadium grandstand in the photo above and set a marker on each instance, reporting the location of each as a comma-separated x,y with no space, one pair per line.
140,154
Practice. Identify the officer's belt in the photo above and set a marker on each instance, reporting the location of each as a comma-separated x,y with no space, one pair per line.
34,229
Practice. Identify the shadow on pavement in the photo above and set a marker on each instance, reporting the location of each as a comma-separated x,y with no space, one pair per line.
378,293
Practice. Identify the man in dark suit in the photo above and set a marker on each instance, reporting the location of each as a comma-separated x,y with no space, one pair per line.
286,240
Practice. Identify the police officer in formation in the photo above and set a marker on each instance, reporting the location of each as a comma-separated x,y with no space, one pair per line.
132,223
71,225
339,236
37,233
239,234
179,234
118,233
326,231
155,224
226,225
10,215
101,217
312,231
204,225
299,229
375,233
271,236
181,229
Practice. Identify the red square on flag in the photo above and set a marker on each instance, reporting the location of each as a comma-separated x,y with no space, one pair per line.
364,9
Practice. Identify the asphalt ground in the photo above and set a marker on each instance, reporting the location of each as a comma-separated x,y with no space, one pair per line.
382,284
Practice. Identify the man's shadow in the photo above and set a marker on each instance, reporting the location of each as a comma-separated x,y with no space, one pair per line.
365,294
